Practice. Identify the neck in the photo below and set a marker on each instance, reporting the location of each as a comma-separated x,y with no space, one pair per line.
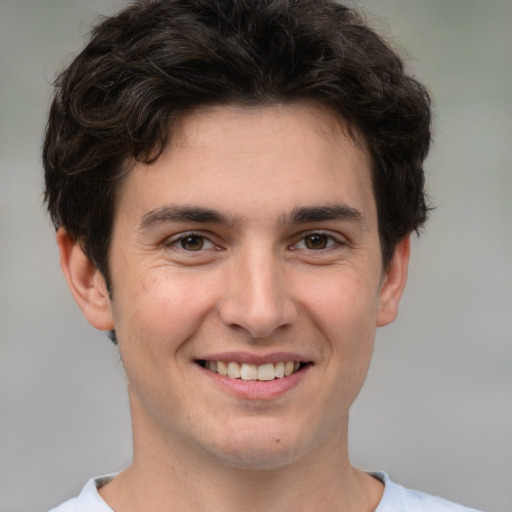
173,476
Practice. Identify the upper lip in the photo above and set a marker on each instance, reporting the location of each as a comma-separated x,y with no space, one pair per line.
252,358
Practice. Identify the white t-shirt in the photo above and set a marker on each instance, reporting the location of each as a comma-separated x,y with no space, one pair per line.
395,499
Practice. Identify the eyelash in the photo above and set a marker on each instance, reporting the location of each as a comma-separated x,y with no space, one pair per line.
330,241
174,242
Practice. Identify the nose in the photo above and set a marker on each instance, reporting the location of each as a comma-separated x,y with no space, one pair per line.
258,296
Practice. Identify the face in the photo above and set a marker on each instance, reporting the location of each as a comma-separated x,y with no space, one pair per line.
247,284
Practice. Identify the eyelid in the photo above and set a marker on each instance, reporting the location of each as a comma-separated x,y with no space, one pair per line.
335,240
338,239
174,240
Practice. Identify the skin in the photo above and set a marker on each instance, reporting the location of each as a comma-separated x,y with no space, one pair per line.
266,284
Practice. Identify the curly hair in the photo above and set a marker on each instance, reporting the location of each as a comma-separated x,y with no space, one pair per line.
117,101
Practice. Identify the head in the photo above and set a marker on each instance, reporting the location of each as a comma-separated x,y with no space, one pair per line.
234,183
121,99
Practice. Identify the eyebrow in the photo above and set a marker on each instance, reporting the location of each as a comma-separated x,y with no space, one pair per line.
302,215
341,212
182,213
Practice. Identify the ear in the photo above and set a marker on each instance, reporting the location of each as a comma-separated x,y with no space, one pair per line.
85,282
393,283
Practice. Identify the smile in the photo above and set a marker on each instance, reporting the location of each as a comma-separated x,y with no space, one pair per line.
246,371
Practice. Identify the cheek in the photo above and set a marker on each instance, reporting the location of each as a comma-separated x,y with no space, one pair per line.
159,313
344,304
344,311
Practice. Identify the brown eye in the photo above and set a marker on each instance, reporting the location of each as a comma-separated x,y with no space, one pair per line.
192,243
316,241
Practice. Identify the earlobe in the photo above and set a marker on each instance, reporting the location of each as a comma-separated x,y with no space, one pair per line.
85,282
393,283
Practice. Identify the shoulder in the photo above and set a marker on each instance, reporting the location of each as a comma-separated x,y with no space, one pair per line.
88,500
67,506
399,499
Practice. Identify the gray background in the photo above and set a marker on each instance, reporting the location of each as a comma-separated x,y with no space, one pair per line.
436,411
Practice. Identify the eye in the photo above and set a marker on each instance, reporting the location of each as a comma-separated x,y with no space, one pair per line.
316,242
191,242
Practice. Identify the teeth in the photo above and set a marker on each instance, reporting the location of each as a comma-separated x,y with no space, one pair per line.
248,372
279,368
245,371
266,372
234,370
222,368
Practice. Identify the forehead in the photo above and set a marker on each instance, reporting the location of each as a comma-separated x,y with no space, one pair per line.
222,157
246,127
326,122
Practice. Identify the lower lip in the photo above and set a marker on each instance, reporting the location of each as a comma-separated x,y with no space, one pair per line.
256,389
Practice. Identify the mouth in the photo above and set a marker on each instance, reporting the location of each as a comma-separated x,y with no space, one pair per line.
253,372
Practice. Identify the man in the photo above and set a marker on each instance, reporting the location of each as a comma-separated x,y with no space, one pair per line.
234,184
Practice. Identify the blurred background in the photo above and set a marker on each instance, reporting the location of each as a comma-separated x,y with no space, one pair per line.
436,410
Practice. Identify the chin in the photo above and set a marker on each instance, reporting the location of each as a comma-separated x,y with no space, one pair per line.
262,448
258,458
